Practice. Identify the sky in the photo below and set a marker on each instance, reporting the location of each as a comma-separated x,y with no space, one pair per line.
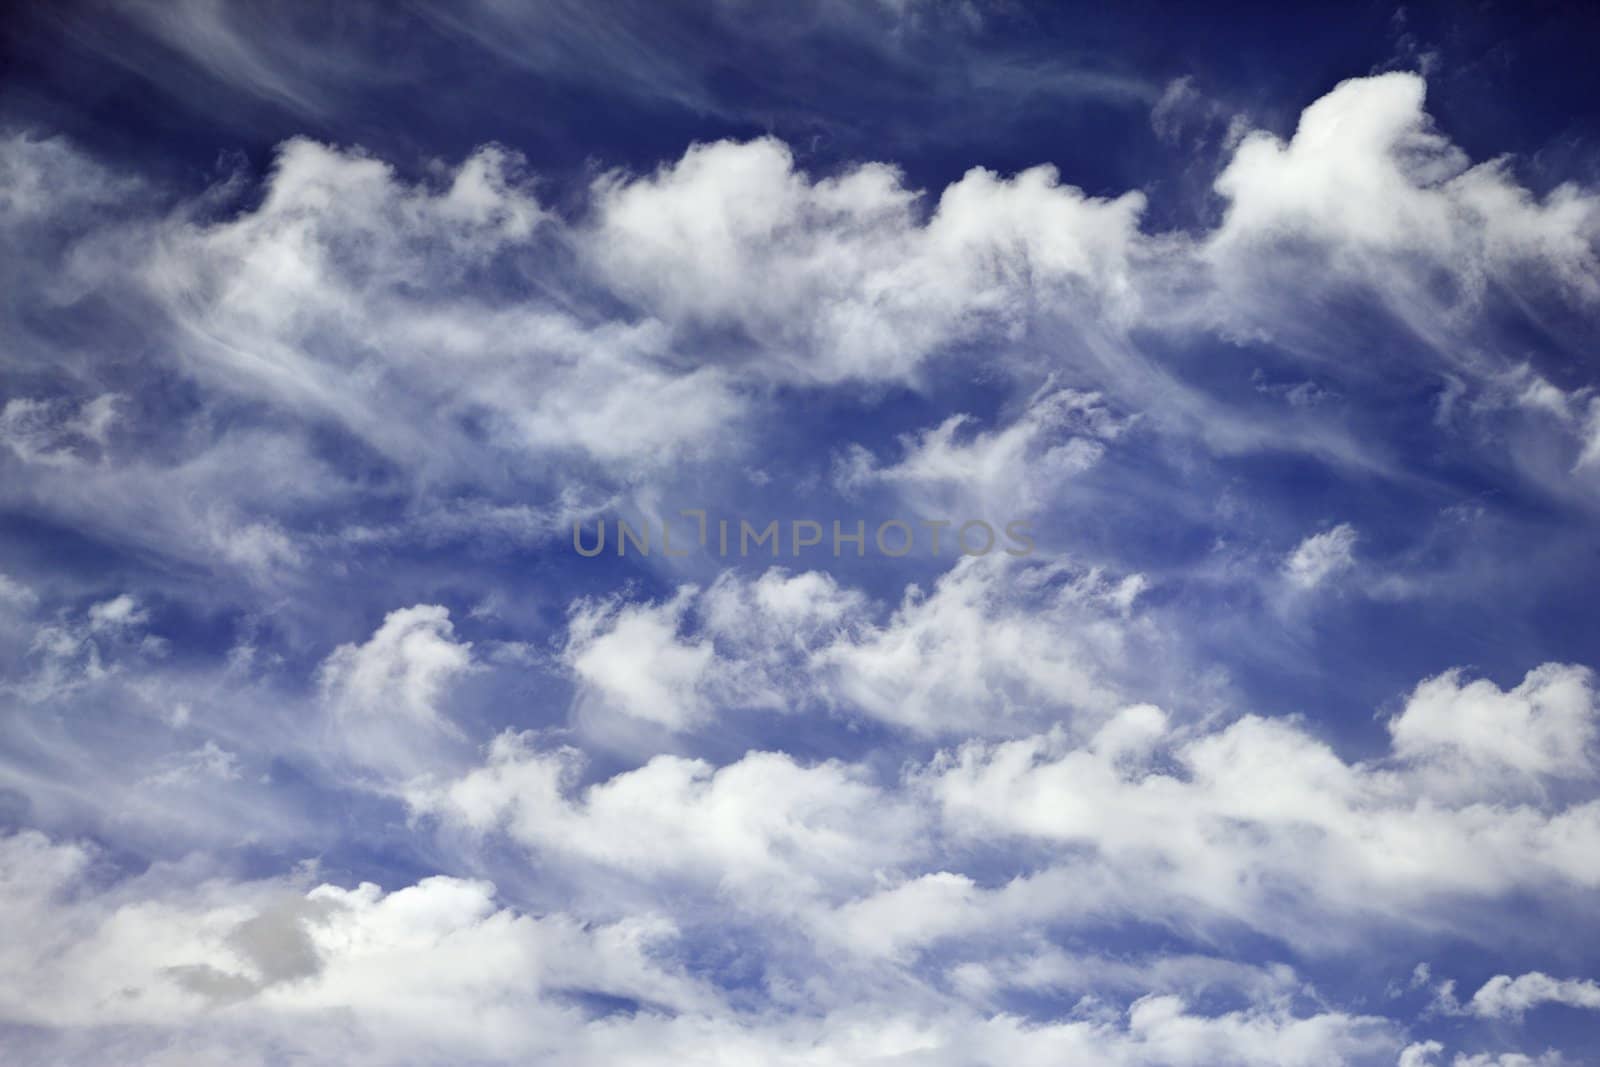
1159,455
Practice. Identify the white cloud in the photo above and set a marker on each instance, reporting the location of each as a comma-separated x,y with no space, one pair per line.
997,644
1543,728
1259,822
1004,473
438,963
385,696
1422,1053
1505,997
1321,556
350,301
837,278
208,762
1367,172
73,652
15,595
439,970
756,645
1368,192
47,180
401,670
1254,823
53,434
772,832
1173,110
116,614
632,659
1364,166
344,293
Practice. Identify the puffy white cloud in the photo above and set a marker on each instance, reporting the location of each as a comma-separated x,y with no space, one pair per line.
753,644
1543,728
1503,996
767,829
1367,172
401,669
840,278
1321,556
997,644
1261,823
1003,473
1364,166
902,919
345,293
348,294
458,333
1255,823
441,970
1185,825
632,659
385,695
1369,203
1422,1053
438,965
780,611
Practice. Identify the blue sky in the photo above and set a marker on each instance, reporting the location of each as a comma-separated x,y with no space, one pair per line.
324,328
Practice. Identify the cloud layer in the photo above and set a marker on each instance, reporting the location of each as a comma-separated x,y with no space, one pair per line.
319,740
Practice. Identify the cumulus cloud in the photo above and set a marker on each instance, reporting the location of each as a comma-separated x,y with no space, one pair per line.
439,963
355,360
1505,997
1369,142
1256,823
632,659
340,291
1423,1053
344,292
996,643
772,832
441,969
1437,242
955,469
840,278
1321,556
1256,808
1543,728
385,695
750,644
